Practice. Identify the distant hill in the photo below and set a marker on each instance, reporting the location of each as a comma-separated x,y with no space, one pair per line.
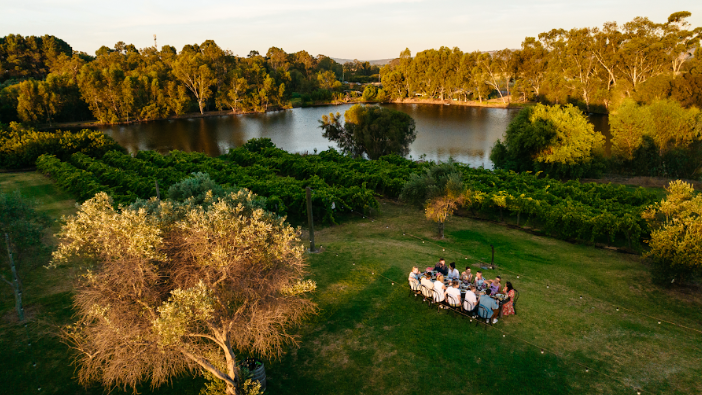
377,62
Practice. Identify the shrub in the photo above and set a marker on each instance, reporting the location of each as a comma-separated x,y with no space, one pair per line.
20,147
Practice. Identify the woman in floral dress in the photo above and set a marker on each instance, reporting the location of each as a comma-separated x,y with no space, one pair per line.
508,308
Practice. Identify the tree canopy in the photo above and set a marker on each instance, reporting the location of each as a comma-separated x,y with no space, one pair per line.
555,139
177,287
676,236
594,68
371,130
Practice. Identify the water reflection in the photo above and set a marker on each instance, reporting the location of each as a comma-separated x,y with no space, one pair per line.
465,134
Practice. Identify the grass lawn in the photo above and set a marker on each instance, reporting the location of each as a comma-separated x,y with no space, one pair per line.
370,337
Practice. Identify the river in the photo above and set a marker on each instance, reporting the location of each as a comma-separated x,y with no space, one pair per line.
463,133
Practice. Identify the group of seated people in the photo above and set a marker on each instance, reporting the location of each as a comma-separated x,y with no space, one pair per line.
471,302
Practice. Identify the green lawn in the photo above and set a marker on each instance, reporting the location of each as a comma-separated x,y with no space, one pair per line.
372,338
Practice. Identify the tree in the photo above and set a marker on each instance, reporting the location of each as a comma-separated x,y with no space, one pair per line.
676,236
177,287
24,225
555,139
671,125
441,208
628,124
327,80
21,231
29,102
439,190
237,91
532,63
192,70
369,93
371,130
642,53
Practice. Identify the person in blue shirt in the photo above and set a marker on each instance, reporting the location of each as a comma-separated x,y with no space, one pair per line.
491,307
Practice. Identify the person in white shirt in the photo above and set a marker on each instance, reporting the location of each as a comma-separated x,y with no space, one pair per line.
453,274
428,286
470,300
414,278
439,289
453,294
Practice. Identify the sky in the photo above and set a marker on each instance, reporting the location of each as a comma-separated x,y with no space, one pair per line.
355,29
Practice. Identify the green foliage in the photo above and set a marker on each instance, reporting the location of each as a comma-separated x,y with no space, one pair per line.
438,180
371,130
126,179
386,176
25,227
676,236
31,56
574,210
593,68
659,139
196,189
554,139
79,183
20,147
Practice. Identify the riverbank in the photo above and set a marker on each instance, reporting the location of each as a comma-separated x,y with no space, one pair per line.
190,115
492,103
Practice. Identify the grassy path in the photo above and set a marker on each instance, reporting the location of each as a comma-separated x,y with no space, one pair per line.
372,338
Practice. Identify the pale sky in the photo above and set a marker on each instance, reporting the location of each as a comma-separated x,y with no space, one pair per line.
361,29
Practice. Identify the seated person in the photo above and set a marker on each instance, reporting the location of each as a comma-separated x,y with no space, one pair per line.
453,294
428,286
491,307
479,280
495,285
414,279
439,289
508,307
453,273
470,300
467,276
441,267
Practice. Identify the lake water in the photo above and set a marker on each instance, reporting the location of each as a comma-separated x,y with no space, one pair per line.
465,134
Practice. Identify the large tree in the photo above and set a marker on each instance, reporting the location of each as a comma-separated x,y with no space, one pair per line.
556,139
193,70
176,287
371,130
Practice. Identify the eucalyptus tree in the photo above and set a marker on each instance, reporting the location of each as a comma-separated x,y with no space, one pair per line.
532,64
642,53
680,43
192,70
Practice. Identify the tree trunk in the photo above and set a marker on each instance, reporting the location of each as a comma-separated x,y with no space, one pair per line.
199,102
518,213
441,230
